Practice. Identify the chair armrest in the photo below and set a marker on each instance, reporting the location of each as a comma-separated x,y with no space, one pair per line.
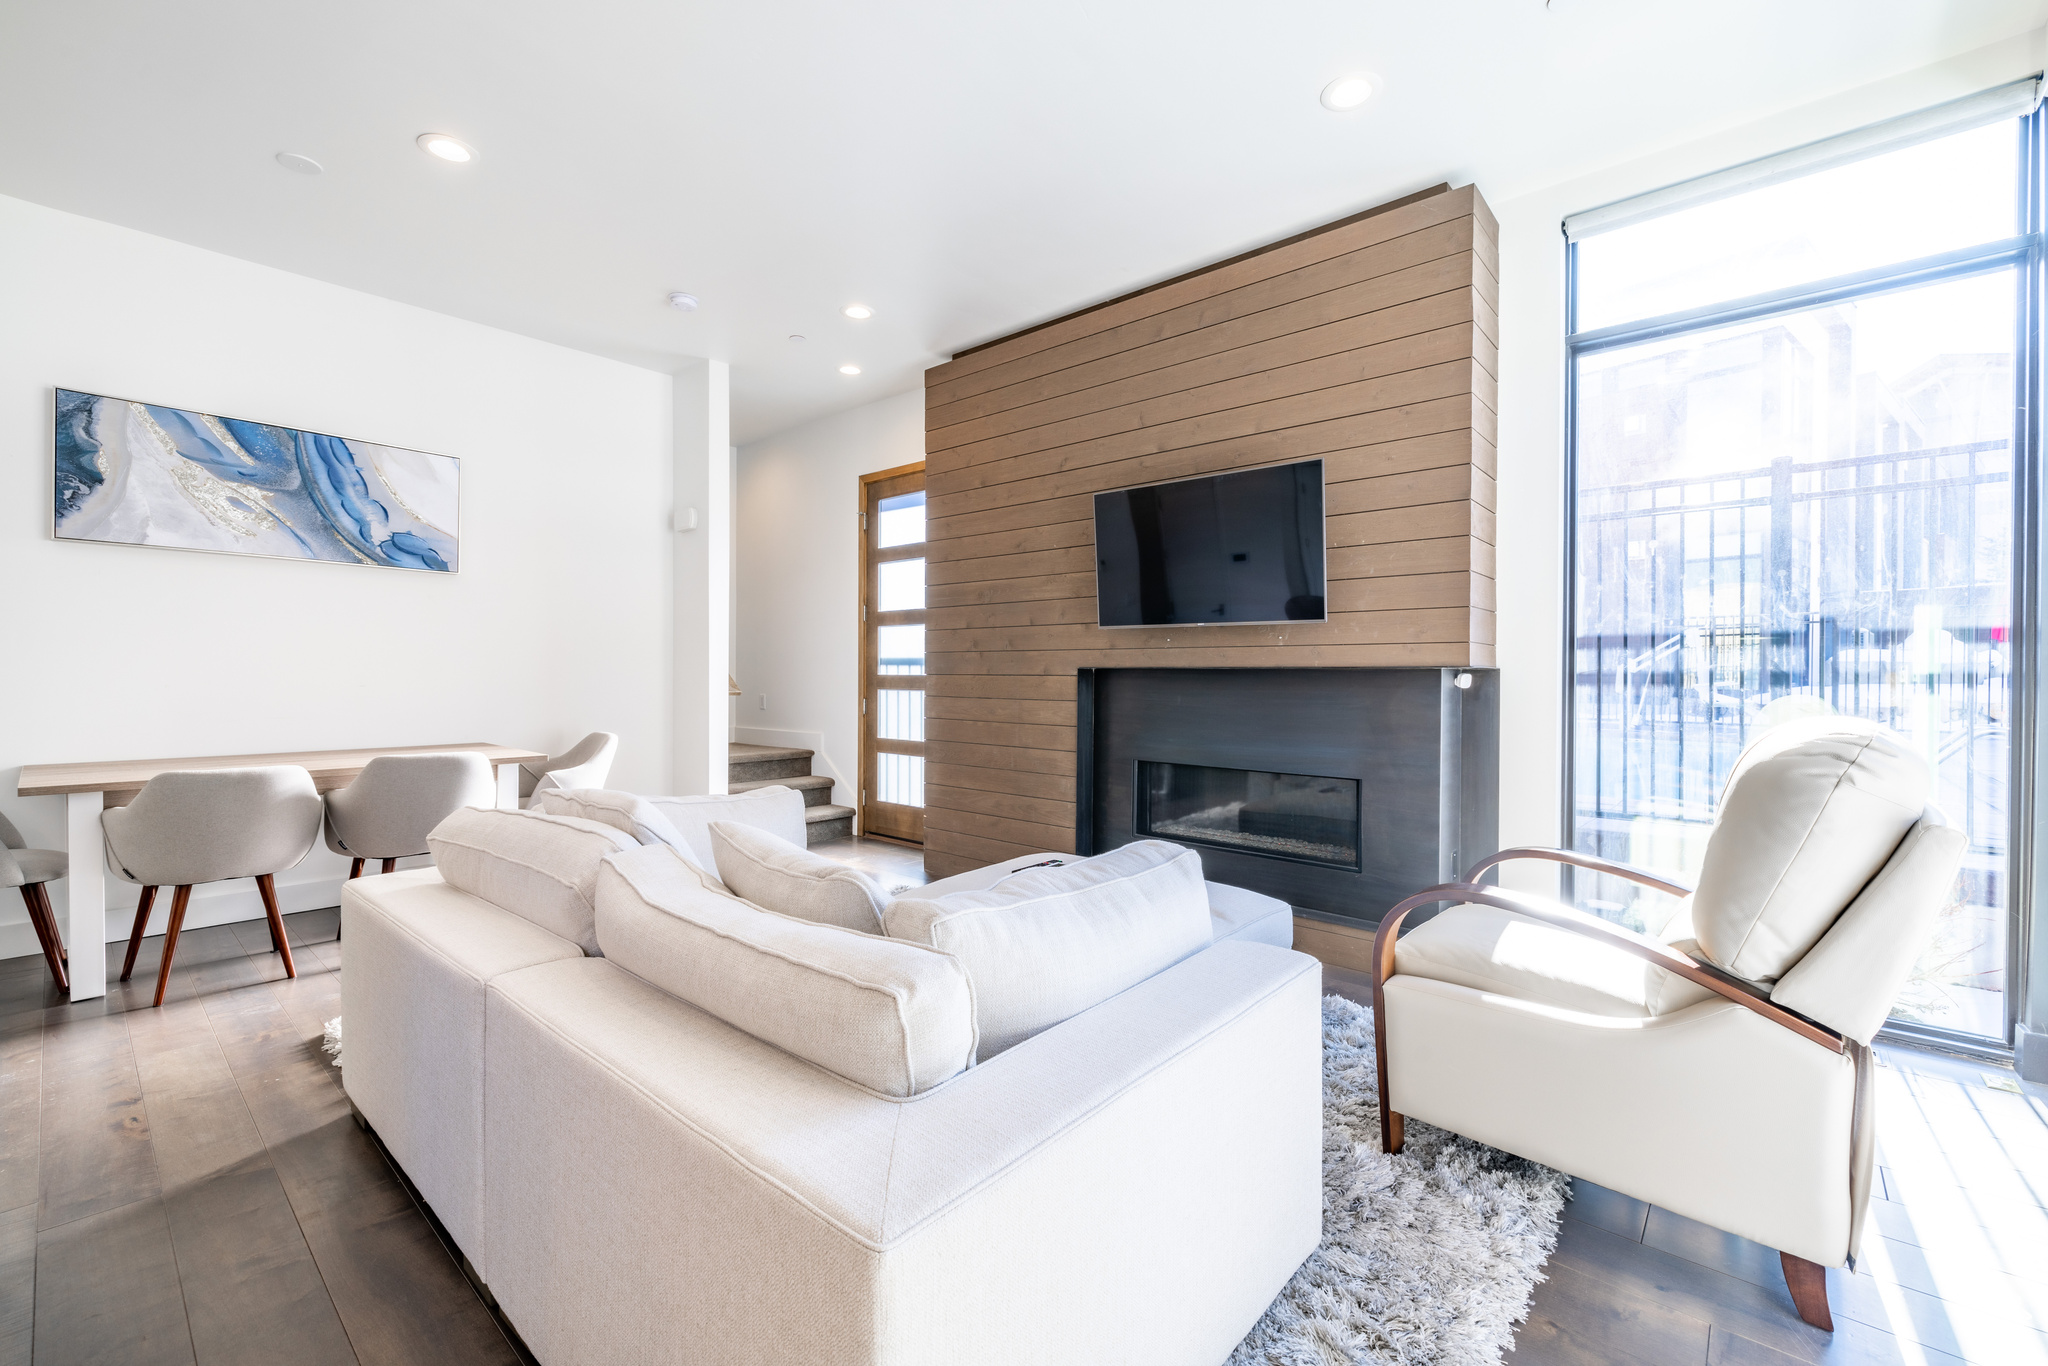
1662,882
1593,927
1578,922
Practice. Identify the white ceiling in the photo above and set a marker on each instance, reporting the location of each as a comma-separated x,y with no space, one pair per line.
965,167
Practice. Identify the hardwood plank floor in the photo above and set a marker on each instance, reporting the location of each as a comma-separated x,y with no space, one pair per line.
185,1185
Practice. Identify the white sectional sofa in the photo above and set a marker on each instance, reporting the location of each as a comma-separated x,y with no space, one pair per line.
636,1179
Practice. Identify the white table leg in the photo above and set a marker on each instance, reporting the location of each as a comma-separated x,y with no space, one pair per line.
85,884
508,787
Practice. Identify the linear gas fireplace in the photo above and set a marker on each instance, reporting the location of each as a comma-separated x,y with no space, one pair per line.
1277,815
1340,791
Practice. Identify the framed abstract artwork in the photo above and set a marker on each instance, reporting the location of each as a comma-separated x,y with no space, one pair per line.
143,474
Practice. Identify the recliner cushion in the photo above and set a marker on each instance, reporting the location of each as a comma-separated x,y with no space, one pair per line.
1810,814
1043,945
1492,950
770,871
532,863
890,1016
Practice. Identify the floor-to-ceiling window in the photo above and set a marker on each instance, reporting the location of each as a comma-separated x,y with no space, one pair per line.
1799,455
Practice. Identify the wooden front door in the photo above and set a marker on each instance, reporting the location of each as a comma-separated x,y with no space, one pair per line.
892,653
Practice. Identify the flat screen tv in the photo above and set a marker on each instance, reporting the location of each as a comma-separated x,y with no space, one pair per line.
1227,549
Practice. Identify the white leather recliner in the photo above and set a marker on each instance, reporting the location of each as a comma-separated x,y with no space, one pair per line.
1720,1069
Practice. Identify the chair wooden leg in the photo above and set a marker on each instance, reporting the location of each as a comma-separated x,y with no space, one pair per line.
136,935
390,865
163,967
50,924
355,869
44,922
1808,1282
277,934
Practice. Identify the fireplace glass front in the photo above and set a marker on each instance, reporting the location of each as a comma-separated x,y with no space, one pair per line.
1280,815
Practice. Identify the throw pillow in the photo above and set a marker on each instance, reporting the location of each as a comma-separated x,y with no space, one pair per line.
1045,944
770,871
532,863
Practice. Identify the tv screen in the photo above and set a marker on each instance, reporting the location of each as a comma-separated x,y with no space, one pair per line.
1225,549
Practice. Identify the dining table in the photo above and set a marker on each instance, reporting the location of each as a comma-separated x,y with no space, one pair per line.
90,788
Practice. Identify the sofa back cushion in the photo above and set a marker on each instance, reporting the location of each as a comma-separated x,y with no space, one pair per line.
771,872
532,863
626,811
778,810
1811,812
889,1016
1045,944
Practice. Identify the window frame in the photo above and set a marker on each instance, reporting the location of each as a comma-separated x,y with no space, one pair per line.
878,819
2024,254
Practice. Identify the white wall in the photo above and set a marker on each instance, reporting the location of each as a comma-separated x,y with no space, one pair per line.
797,578
1532,361
558,624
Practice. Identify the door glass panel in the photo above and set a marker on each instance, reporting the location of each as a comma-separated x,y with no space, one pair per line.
899,585
1952,192
1801,515
900,520
899,714
900,649
899,778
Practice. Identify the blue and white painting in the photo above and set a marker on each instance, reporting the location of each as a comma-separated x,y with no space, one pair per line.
142,474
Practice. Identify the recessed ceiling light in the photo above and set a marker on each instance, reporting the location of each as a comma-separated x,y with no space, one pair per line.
446,148
686,302
1349,92
858,311
294,161
849,369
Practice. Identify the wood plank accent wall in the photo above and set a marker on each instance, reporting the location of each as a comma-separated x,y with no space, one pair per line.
1370,343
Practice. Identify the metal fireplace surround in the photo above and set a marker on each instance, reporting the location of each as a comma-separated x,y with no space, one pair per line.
1265,771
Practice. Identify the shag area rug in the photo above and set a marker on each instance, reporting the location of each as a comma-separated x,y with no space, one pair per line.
1429,1257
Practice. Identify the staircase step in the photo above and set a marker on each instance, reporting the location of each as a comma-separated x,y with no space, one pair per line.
816,787
757,763
822,823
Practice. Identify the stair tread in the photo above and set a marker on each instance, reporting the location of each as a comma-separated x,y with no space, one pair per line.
811,780
814,814
737,753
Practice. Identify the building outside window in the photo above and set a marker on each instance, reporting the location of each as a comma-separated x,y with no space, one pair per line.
1799,457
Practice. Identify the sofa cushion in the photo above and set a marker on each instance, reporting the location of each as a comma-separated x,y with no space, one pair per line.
532,863
626,811
770,871
1811,812
778,810
1489,949
1045,944
890,1016
1235,913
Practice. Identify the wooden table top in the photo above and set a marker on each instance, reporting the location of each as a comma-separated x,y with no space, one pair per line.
331,768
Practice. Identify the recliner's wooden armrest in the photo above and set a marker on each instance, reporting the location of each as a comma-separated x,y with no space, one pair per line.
1593,927
1643,876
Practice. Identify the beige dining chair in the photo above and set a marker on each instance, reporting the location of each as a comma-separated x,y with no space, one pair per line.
397,800
29,869
585,764
1721,1067
210,825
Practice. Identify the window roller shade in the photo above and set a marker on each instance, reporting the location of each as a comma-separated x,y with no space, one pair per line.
2009,101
